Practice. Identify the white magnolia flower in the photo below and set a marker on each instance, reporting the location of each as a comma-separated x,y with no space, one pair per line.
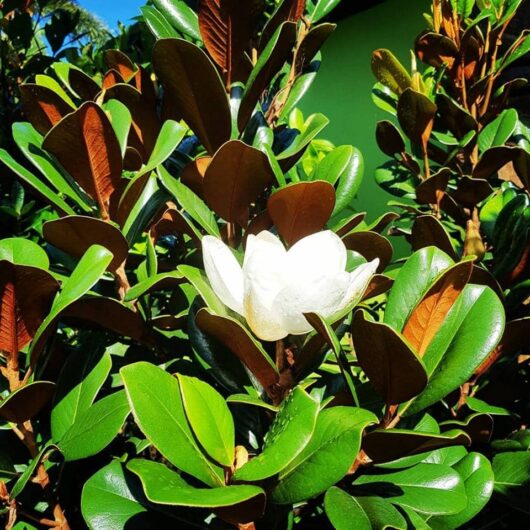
275,287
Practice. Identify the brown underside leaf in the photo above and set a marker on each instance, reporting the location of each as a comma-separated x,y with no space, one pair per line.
26,296
238,342
471,191
75,234
234,179
370,245
428,231
42,106
227,27
83,85
391,365
108,314
431,190
85,144
259,82
288,10
301,209
193,174
436,50
378,285
191,80
429,315
312,44
27,402
117,60
416,115
389,138
111,78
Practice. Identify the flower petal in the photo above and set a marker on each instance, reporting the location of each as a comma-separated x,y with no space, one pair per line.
359,281
264,276
323,295
317,255
224,272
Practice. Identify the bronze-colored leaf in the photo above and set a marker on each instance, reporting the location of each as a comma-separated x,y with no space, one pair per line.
370,245
85,144
387,218
261,222
389,71
482,276
494,159
26,296
193,174
227,27
111,78
478,427
234,179
239,341
118,61
312,44
521,165
343,228
146,124
471,191
261,77
454,117
431,190
390,364
83,85
174,222
26,402
436,50
378,285
75,234
191,80
429,315
416,116
108,314
288,10
42,106
389,138
301,209
132,160
428,231
387,445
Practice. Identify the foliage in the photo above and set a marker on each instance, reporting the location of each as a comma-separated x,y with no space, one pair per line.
207,335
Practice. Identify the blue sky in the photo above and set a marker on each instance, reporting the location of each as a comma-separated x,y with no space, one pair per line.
113,10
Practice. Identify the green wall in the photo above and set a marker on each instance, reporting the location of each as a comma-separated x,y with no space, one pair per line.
342,89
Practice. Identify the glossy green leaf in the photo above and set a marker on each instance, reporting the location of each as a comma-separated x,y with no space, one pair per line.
163,486
514,55
475,469
498,131
209,418
472,328
112,499
198,279
426,488
290,432
121,121
412,282
36,183
20,251
29,142
389,71
79,382
327,457
193,205
156,403
52,84
95,427
87,273
158,23
180,16
28,473
512,478
344,511
170,136
322,8
158,282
